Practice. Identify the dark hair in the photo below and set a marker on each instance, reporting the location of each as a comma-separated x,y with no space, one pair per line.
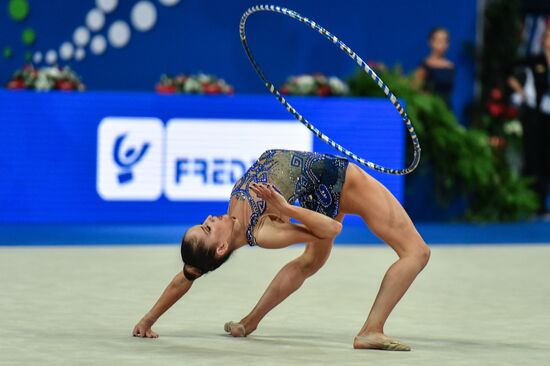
434,30
198,259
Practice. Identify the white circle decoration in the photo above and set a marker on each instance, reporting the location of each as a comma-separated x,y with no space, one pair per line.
98,45
81,36
51,57
169,2
37,57
95,19
143,16
119,34
106,5
79,54
66,50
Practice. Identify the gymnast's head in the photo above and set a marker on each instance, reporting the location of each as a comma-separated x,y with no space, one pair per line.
207,246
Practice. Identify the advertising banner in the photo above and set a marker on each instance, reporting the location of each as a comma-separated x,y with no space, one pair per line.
140,158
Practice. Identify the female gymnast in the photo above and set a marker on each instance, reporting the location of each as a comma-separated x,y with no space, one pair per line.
327,187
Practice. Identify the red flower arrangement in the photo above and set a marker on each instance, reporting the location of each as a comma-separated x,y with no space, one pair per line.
501,119
497,107
193,84
315,85
45,79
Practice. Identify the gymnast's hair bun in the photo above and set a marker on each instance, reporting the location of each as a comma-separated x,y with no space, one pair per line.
191,273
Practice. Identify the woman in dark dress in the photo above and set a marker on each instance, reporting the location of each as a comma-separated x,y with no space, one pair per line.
436,74
260,208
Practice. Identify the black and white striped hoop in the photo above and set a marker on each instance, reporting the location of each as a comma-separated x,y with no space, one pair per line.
359,61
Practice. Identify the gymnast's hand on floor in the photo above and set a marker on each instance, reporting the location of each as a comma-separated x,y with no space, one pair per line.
143,330
273,198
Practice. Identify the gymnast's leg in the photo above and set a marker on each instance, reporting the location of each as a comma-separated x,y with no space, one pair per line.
288,280
383,214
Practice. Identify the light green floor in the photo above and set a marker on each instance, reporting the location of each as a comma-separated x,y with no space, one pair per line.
78,305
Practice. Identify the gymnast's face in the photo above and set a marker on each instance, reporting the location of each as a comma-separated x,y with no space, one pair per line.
439,41
215,230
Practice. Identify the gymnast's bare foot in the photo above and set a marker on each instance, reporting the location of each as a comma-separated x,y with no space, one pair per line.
379,341
240,329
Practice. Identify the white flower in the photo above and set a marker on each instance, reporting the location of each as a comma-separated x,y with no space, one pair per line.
305,84
338,86
43,83
192,86
203,78
305,80
513,127
52,72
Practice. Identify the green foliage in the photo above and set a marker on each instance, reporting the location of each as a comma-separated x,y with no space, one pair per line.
463,161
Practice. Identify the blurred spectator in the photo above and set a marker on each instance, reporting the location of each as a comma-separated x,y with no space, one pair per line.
533,94
436,74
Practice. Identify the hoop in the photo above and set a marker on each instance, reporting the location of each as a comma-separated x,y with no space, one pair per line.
359,61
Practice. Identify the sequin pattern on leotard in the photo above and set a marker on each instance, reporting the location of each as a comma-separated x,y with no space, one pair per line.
313,180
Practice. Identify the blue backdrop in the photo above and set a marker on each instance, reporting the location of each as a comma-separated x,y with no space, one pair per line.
197,35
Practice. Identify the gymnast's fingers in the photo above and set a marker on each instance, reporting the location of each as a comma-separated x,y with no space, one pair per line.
266,193
254,189
257,188
269,188
151,334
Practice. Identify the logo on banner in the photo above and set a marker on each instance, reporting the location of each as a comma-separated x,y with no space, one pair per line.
127,159
130,159
188,159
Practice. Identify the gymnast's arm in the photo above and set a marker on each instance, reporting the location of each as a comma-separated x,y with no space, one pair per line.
171,294
275,234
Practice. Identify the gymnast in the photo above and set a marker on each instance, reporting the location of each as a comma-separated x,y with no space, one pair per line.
326,187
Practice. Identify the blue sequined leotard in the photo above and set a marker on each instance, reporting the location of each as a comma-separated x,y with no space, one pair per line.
312,179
